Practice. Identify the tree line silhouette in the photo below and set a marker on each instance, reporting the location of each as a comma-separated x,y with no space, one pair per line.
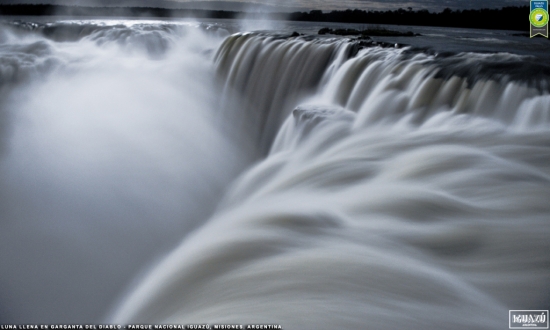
507,18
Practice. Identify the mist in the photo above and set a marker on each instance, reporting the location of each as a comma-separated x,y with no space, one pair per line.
110,156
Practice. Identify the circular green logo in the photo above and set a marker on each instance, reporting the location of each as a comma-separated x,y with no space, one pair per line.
539,17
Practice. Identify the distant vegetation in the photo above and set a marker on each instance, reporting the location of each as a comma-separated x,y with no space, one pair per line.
372,32
507,18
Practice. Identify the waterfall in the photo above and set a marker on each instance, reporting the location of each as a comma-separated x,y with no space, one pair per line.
401,190
272,74
167,172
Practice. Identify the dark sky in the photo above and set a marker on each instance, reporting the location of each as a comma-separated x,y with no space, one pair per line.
432,5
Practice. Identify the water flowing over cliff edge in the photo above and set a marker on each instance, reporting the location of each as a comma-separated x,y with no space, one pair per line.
379,187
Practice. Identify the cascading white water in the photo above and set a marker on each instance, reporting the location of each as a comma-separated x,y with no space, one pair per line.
381,85
392,198
398,189
272,74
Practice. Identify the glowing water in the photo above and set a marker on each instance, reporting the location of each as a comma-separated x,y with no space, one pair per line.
398,190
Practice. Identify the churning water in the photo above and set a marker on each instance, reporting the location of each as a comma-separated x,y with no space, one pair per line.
156,172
